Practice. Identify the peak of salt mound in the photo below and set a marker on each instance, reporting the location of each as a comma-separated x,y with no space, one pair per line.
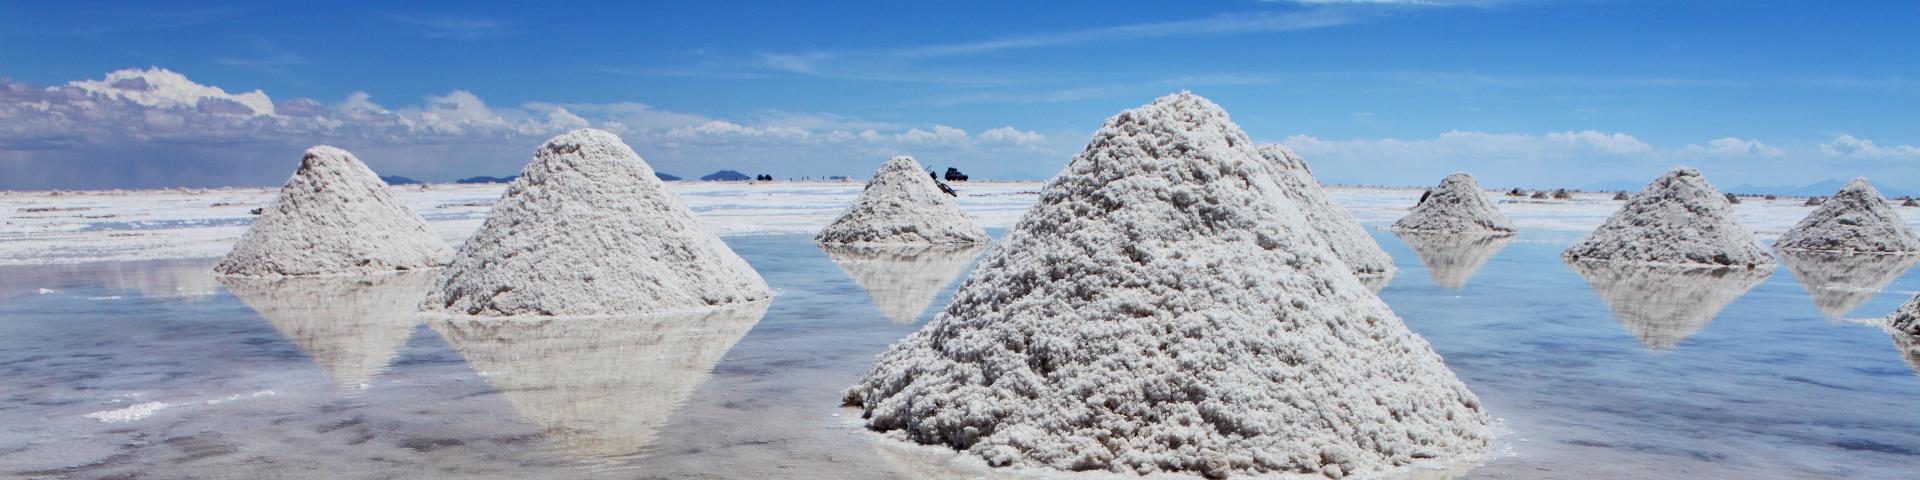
1856,219
588,230
1456,206
902,280
1839,282
1664,304
1679,219
902,205
352,326
334,216
1332,222
1452,258
601,388
1162,308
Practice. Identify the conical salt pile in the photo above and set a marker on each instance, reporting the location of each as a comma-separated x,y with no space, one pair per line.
1452,258
1162,308
1456,206
1857,220
1679,219
352,326
588,230
335,216
902,205
902,280
1664,304
601,387
1838,282
1331,221
1907,317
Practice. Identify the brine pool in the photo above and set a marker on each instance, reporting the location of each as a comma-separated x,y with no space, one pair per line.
159,370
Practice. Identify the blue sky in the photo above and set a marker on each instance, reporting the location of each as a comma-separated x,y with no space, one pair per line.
1531,93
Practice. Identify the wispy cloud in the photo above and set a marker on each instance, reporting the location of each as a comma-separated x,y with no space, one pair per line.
453,27
1855,147
1731,147
1236,23
266,57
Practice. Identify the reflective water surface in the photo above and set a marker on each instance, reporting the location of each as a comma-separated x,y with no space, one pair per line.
1594,371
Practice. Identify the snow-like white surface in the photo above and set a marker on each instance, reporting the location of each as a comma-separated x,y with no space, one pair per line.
1856,220
1906,319
588,230
902,205
1456,206
129,413
334,216
1334,224
1165,308
1679,219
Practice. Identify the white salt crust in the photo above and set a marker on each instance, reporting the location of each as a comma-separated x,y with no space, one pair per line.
1663,304
1856,220
1839,282
334,216
902,280
588,230
1906,319
1456,206
1164,308
1332,222
1679,219
351,326
902,205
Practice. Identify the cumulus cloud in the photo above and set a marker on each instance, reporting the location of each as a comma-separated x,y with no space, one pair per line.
1856,147
183,132
1732,147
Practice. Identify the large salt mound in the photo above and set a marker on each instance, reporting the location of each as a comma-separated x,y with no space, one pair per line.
1332,222
902,205
1456,206
1857,219
1452,258
902,280
1162,308
334,216
586,230
1838,282
1679,219
599,387
1664,304
352,326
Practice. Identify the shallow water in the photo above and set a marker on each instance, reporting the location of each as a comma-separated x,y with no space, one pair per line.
157,369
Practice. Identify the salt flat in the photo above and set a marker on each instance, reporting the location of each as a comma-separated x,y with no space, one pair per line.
121,225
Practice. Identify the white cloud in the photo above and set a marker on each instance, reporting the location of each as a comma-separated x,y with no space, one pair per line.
1732,147
162,88
1614,143
1008,134
1856,147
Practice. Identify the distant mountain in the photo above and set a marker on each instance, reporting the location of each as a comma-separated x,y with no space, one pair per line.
726,176
398,180
665,177
487,179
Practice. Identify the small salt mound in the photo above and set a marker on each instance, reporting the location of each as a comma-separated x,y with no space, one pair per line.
352,326
1456,206
1163,308
1664,304
902,205
1839,282
1452,258
1856,219
902,280
1679,219
334,216
1907,318
586,230
1332,222
600,387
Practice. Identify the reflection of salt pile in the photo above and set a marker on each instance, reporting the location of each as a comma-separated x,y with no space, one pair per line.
1909,347
599,387
1452,258
902,279
1456,206
1857,219
1838,282
902,205
335,216
1679,219
351,325
1162,308
1663,304
588,230
1329,220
